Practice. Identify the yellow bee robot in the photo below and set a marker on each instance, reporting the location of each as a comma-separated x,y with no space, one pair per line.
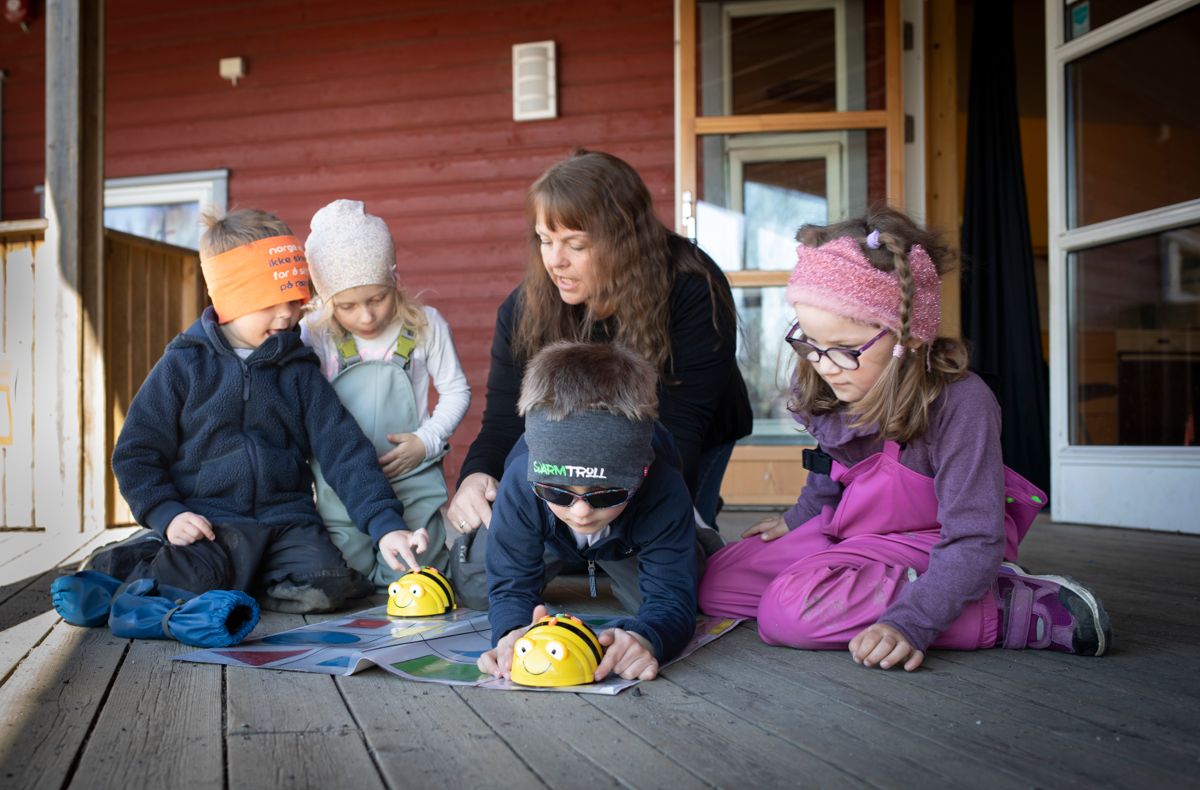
559,650
420,594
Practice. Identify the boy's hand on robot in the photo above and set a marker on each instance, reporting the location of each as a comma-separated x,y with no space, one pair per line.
497,662
408,452
187,528
406,546
769,528
883,646
628,654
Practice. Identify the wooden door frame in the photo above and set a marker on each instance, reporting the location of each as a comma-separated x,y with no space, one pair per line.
778,466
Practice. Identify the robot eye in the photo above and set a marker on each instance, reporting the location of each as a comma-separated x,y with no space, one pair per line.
523,647
415,591
394,589
556,650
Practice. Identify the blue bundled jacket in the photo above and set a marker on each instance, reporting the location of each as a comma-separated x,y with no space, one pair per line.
230,439
658,525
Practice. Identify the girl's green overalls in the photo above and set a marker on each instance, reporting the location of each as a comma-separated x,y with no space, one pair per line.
380,396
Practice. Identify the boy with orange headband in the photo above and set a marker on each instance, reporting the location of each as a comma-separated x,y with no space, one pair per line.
213,456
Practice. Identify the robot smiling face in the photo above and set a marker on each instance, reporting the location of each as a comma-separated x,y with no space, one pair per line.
559,650
420,594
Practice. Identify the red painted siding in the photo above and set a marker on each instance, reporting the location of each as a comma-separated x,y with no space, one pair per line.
406,105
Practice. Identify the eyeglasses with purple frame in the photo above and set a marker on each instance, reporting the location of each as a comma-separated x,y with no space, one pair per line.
844,358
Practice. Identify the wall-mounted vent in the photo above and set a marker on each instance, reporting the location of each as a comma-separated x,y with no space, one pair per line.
534,93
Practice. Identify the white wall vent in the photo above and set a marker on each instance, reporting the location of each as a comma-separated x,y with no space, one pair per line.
534,93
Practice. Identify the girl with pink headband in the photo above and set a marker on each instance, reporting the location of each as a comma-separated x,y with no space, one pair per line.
905,535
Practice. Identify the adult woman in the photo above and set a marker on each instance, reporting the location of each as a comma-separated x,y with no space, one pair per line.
604,268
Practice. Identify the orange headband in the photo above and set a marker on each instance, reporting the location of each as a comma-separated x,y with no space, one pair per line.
255,276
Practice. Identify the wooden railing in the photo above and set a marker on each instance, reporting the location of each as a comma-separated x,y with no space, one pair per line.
153,291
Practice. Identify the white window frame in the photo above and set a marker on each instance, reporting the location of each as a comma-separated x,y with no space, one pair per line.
207,188
1138,487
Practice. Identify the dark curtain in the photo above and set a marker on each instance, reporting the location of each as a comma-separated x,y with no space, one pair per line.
999,298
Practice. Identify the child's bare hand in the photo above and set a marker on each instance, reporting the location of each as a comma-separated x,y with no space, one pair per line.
406,545
628,654
408,452
884,646
497,662
187,528
769,528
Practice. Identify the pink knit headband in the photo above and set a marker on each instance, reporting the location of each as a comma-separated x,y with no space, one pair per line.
838,277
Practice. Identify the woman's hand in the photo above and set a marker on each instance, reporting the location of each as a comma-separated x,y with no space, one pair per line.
884,646
472,503
769,528
408,452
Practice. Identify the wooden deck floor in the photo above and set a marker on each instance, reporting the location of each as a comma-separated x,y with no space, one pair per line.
80,708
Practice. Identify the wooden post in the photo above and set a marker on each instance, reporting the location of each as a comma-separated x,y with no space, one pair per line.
68,291
942,191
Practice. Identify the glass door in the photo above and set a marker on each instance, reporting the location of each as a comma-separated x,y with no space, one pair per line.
790,112
1124,262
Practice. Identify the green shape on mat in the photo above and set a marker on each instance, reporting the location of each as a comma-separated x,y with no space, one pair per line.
437,668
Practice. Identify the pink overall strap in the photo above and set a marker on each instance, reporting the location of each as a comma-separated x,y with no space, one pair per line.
892,450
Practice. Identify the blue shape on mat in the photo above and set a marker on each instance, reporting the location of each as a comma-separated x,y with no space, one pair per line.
340,661
311,637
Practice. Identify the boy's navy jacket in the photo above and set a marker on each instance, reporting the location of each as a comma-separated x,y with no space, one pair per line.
658,525
230,439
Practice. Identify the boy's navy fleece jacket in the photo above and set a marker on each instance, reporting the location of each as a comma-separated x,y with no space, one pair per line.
230,439
658,525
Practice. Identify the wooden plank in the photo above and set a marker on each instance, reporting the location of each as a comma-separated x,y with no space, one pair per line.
50,703
19,477
274,701
719,747
160,727
456,748
303,759
26,615
794,122
291,728
967,712
872,745
569,743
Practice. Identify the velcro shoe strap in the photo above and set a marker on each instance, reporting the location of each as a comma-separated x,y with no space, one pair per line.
1020,608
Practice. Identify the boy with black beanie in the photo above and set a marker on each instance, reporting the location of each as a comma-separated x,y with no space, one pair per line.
594,480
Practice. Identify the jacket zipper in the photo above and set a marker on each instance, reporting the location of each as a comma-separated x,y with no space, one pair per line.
592,578
245,381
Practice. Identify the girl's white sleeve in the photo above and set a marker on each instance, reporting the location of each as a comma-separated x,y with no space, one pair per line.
322,344
454,394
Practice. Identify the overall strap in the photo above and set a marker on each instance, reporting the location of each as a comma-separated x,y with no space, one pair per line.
347,352
406,342
892,450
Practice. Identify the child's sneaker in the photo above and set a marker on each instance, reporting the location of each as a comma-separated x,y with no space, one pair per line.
1051,613
84,598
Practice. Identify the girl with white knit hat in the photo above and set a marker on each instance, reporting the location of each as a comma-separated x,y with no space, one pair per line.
381,349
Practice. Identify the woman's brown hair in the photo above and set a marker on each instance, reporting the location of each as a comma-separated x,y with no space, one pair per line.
899,401
603,196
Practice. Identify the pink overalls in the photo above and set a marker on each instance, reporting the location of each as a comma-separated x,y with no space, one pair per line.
825,581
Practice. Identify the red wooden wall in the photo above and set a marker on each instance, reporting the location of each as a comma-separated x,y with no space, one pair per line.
406,105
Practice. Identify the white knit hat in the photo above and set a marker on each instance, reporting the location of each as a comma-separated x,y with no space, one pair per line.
347,248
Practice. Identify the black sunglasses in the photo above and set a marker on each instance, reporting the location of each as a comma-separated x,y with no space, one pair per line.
597,500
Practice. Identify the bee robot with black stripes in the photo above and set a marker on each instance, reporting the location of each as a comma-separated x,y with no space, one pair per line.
558,650
420,594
